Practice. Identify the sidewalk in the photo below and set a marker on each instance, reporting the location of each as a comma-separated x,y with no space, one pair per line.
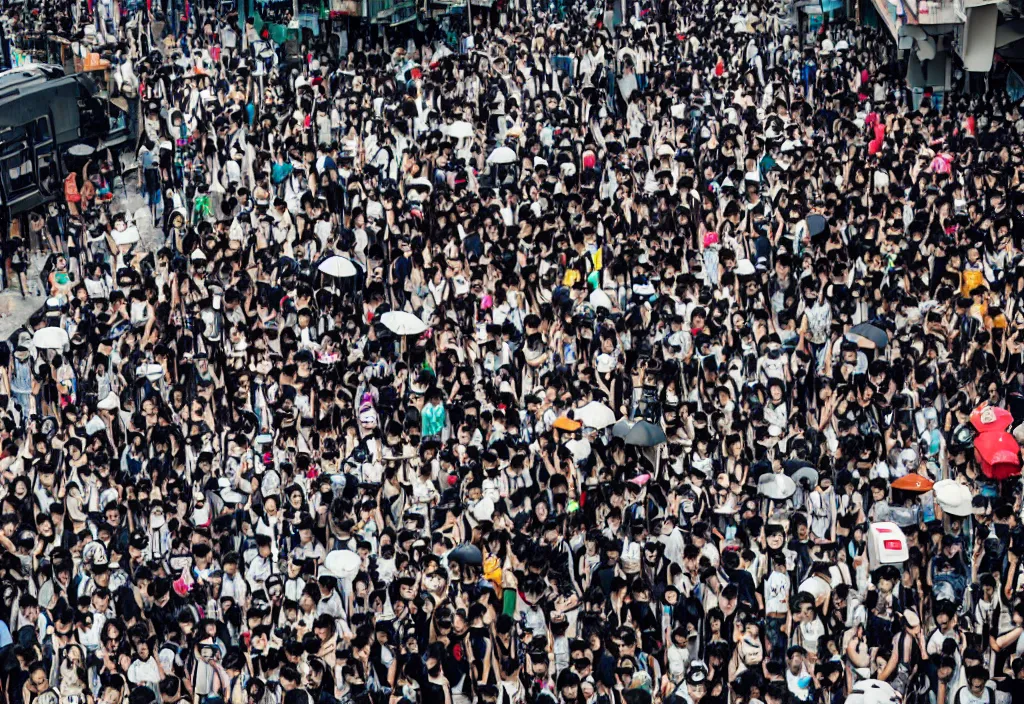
15,310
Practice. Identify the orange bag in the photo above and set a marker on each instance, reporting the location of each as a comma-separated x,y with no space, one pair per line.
71,194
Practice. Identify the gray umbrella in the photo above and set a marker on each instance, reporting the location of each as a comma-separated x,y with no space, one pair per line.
622,428
645,434
816,224
872,333
807,473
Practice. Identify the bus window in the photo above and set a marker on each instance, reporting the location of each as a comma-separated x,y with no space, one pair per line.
17,168
45,163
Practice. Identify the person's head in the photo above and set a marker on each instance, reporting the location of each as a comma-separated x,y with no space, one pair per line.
38,680
977,677
911,622
946,668
795,658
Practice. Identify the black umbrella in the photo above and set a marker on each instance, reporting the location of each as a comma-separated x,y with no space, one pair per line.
467,554
645,434
874,335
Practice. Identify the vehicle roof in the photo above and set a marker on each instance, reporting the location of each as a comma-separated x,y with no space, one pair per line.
18,79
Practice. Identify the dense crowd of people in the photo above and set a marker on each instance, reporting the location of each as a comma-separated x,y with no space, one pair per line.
577,356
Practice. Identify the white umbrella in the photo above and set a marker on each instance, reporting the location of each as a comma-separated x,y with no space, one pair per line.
339,267
600,299
343,564
595,415
873,692
421,184
953,497
580,449
402,323
627,52
776,486
460,129
50,339
153,372
127,236
502,155
483,510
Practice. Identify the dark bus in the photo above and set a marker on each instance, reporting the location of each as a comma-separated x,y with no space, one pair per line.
44,112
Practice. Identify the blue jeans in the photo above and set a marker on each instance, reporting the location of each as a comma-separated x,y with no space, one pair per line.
777,639
25,401
562,63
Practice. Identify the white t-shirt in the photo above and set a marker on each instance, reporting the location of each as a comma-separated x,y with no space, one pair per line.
711,552
793,684
776,593
140,672
964,696
815,586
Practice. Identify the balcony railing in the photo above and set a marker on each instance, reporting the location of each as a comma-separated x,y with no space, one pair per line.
390,11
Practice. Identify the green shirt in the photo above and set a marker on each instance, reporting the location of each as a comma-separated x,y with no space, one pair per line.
433,419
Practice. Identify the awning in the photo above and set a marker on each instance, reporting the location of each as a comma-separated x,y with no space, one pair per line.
1009,32
979,38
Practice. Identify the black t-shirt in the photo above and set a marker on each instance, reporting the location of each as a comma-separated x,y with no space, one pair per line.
1014,687
745,584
